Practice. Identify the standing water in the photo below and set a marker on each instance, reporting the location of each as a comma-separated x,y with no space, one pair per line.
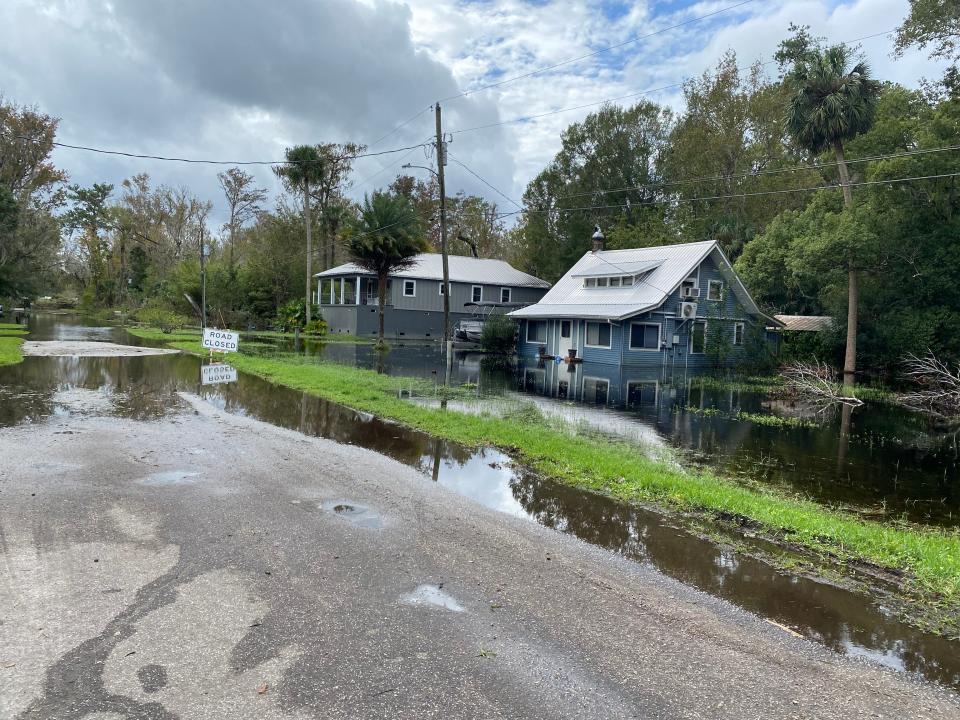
145,388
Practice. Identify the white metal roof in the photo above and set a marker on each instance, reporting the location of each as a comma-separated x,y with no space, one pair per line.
671,265
429,266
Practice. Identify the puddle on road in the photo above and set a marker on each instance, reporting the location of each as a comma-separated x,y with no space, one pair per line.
432,596
170,477
146,388
359,515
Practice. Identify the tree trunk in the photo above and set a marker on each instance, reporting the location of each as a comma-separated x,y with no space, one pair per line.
853,288
306,220
381,301
853,301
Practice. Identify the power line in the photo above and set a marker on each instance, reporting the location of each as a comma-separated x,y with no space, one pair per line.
204,161
639,93
758,173
671,201
596,52
499,192
397,127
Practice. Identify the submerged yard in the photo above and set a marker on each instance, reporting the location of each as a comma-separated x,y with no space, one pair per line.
922,562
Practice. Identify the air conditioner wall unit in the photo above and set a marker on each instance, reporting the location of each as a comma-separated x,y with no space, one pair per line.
691,292
687,310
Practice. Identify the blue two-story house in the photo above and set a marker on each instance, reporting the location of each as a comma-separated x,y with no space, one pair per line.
670,308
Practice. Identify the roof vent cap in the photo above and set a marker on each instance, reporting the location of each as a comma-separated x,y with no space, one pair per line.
598,238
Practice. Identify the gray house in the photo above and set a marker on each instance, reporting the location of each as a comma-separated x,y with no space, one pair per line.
347,295
668,307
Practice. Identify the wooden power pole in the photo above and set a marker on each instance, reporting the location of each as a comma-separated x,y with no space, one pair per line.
441,161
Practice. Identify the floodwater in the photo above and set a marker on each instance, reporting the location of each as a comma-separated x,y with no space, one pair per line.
145,388
882,461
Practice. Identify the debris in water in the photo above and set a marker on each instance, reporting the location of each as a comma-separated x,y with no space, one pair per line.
262,689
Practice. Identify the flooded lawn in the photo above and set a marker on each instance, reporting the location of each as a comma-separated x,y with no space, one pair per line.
889,464
910,473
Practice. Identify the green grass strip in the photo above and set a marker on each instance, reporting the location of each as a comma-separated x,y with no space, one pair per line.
929,556
11,340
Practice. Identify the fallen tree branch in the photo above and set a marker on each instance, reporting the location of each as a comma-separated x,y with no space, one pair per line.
817,381
937,386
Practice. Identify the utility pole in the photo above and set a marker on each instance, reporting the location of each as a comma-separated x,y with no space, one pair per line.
441,161
203,280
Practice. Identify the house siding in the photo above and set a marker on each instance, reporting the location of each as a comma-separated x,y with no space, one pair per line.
671,356
418,317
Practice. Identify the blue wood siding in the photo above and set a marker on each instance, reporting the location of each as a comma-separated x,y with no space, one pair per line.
671,356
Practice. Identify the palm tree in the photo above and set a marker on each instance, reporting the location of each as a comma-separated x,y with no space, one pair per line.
830,104
304,168
386,238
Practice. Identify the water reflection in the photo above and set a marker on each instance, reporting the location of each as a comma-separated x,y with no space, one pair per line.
879,459
146,387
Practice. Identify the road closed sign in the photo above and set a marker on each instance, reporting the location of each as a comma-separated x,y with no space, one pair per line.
217,373
220,340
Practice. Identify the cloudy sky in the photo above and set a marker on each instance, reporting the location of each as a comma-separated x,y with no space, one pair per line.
243,79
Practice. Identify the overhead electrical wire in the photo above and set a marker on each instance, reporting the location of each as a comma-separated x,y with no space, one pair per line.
760,173
499,192
204,161
608,48
671,201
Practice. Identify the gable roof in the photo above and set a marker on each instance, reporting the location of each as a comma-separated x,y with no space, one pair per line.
667,266
465,269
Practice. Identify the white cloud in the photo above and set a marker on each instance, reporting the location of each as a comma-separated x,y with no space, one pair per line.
243,80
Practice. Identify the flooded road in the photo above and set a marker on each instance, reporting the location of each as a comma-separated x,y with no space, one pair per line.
145,387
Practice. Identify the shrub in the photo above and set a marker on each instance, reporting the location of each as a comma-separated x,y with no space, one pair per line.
499,335
316,327
293,314
166,320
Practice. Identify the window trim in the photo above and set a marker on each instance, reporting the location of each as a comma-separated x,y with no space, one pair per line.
404,289
526,336
586,335
743,332
690,350
440,288
509,295
473,289
710,284
659,327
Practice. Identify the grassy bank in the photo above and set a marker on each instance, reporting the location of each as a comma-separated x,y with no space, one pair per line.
11,338
929,559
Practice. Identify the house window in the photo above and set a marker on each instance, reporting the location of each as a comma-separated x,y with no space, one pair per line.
601,282
644,336
590,282
615,282
715,290
476,293
598,334
409,288
698,338
505,295
565,326
441,288
738,333
627,280
537,332
596,390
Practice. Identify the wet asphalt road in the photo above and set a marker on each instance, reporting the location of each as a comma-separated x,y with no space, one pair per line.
210,566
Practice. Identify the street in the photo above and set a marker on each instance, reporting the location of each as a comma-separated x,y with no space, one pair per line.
206,565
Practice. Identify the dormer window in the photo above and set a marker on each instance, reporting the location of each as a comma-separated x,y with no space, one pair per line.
614,281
